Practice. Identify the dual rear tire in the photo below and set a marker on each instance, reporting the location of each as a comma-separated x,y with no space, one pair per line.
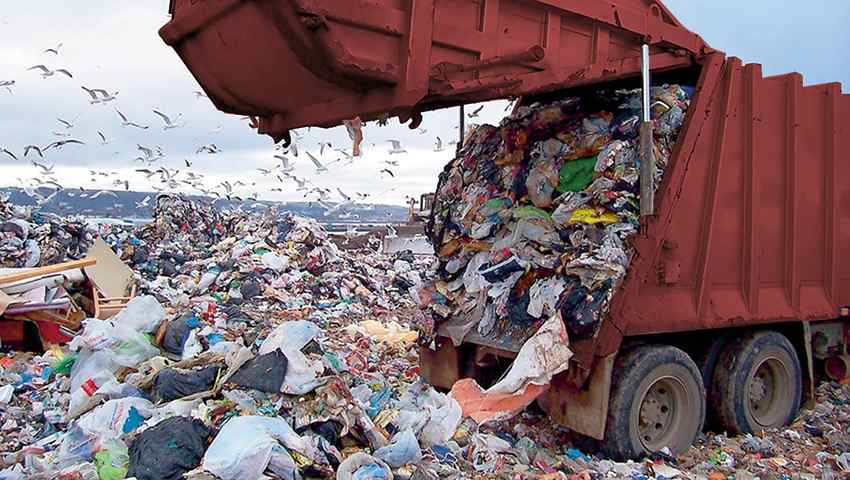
658,393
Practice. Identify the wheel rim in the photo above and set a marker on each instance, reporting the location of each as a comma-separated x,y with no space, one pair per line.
660,413
768,398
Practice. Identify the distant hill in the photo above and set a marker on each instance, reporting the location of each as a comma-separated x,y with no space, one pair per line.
124,206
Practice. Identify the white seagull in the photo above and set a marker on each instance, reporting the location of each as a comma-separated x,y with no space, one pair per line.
169,123
319,167
46,72
397,148
127,123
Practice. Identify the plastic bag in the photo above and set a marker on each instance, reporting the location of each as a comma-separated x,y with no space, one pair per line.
402,450
265,373
273,261
442,423
112,461
168,450
172,384
290,338
116,418
142,314
362,466
91,371
246,446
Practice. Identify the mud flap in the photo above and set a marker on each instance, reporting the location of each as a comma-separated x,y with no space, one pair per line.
583,411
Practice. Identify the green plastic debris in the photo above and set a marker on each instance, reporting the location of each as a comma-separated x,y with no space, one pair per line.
63,367
576,175
113,461
531,212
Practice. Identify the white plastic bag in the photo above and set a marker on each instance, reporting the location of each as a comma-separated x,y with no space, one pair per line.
143,314
443,422
402,450
116,418
246,446
278,263
372,468
301,372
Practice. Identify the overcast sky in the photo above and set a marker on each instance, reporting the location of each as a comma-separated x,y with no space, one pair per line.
114,45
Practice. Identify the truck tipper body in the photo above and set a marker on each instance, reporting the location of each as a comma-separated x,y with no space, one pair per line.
748,247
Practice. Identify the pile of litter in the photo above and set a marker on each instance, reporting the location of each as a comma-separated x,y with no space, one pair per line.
263,351
31,239
534,217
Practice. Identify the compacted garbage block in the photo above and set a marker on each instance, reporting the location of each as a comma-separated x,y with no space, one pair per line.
739,285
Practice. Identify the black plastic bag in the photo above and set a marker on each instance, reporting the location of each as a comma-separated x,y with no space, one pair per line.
177,333
169,449
171,384
264,373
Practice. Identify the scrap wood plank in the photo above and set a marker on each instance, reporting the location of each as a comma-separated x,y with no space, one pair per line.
48,270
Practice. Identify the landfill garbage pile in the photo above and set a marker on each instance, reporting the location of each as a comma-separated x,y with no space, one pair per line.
533,218
31,239
262,351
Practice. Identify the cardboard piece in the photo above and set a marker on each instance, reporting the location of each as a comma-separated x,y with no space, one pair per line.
7,301
110,275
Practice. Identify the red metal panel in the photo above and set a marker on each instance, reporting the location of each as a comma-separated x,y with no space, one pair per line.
294,63
757,211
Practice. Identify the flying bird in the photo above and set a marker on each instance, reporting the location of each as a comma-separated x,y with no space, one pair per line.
127,123
438,145
54,50
392,163
7,84
212,149
199,94
45,170
144,202
322,146
37,150
62,143
169,123
319,167
67,124
103,192
474,113
100,96
187,162
397,148
103,139
387,170
7,152
285,165
46,72
343,195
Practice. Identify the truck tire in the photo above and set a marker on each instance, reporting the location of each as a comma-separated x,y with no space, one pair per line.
706,359
657,400
757,383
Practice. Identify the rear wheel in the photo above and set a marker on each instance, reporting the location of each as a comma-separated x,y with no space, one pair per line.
657,401
757,383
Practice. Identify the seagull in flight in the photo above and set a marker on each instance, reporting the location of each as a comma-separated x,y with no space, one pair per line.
45,170
212,149
67,124
397,148
103,192
127,123
322,146
62,143
474,113
285,165
144,202
46,72
37,150
169,123
199,94
392,163
387,170
343,195
319,167
103,139
438,145
7,84
54,50
7,152
100,96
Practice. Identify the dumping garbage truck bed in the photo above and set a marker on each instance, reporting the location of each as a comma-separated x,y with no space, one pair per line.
748,240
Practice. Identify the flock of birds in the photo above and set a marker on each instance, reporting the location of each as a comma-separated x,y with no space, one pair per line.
161,178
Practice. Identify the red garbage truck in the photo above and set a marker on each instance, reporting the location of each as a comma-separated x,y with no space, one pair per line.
739,289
